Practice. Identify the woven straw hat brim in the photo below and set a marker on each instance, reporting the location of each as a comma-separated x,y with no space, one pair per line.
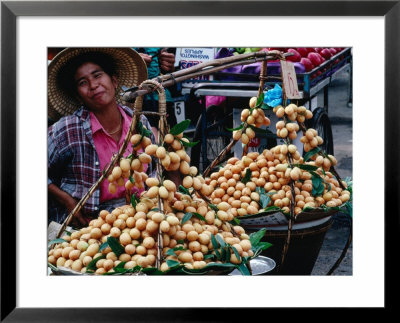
131,70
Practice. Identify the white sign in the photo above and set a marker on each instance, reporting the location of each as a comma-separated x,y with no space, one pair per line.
290,80
188,57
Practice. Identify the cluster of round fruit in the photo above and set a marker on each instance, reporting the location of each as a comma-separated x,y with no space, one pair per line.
253,117
271,172
131,167
137,228
311,139
288,127
191,239
171,153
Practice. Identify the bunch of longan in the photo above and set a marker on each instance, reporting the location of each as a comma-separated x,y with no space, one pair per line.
137,228
272,172
171,153
253,117
132,167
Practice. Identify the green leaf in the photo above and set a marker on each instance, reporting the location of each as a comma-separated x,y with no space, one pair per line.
134,200
311,153
186,217
180,241
260,190
131,180
235,252
318,186
55,241
180,127
237,128
143,131
183,190
172,263
171,252
67,233
262,245
214,242
243,269
247,176
199,216
260,100
235,221
256,237
221,240
120,265
223,255
115,246
103,246
306,167
92,265
272,208
209,256
264,200
213,207
189,144
156,209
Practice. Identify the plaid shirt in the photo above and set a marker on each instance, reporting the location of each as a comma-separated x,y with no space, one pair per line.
73,163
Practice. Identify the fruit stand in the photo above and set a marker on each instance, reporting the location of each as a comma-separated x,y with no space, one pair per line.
215,221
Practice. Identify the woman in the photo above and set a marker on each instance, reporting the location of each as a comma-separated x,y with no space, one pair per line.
83,89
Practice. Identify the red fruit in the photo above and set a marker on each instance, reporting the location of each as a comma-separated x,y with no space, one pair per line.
326,53
302,51
310,49
318,49
333,51
296,57
281,49
308,65
314,58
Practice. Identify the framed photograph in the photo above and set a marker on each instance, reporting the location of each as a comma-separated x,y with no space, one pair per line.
29,28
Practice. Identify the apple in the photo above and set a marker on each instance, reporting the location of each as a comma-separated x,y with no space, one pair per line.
302,51
296,57
326,53
318,49
308,65
310,49
333,51
314,58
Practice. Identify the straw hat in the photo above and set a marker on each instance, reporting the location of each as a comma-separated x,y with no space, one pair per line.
130,68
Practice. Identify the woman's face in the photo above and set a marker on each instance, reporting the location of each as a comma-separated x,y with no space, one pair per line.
95,87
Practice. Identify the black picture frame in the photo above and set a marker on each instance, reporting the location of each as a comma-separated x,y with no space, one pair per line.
10,10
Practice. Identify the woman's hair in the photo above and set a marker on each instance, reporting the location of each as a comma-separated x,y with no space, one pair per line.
66,75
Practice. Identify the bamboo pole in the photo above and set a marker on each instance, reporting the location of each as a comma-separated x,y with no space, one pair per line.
206,69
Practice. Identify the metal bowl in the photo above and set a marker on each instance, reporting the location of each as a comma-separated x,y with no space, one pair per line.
259,265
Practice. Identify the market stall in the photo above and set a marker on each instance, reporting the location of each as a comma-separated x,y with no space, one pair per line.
210,222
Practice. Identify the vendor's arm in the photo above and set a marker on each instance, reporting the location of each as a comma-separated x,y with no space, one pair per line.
68,202
167,61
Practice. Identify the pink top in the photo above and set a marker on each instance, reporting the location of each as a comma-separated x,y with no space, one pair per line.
106,146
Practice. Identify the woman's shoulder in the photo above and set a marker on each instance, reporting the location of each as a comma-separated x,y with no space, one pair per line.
65,124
